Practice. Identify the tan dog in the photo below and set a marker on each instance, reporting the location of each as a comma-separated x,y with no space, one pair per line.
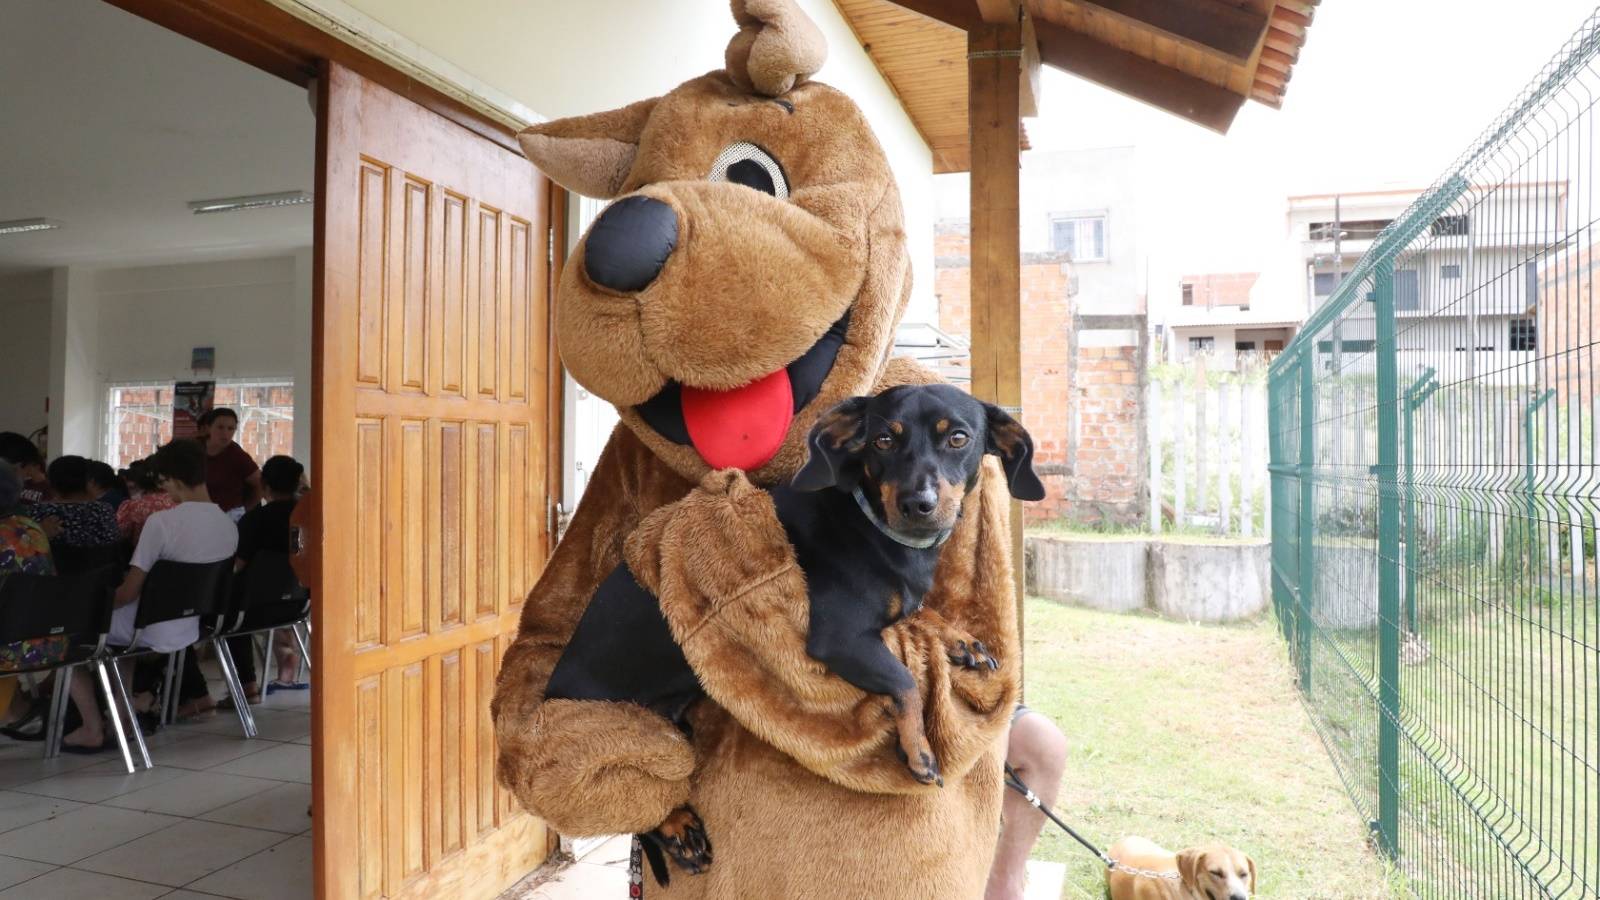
1207,872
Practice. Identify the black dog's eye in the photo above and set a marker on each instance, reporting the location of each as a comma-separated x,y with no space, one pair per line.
958,439
745,163
884,441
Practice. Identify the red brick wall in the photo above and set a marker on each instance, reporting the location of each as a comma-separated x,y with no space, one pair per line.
1091,476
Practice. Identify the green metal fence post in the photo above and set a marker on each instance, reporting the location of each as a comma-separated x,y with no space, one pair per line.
1306,575
1388,824
1415,395
1530,532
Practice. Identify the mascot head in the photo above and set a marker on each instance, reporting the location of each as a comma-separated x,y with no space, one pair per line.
752,270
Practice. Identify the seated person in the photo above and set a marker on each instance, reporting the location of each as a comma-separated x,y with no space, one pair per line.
106,486
29,462
75,518
193,531
149,498
1037,751
267,528
23,549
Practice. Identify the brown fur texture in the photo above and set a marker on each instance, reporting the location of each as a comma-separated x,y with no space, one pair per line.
793,770
776,48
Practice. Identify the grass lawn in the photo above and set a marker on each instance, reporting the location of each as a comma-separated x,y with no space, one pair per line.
1187,733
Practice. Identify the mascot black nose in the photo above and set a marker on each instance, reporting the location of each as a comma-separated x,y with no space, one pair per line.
629,243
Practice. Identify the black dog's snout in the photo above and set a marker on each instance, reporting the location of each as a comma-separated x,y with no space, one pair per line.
919,504
629,243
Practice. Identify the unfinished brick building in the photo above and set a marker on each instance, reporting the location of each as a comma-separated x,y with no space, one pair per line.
1083,384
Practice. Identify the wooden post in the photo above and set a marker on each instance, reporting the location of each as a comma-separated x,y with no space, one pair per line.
994,69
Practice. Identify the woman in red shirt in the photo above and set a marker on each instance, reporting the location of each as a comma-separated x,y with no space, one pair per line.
232,478
132,514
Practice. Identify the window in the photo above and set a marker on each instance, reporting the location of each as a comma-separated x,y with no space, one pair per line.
1359,230
1407,295
1244,346
1524,334
1202,344
1450,272
1188,294
139,418
1450,226
1081,237
1325,283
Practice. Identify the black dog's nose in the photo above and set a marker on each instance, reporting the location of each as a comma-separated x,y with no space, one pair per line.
629,243
919,504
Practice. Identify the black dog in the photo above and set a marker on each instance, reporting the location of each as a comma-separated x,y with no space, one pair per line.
900,465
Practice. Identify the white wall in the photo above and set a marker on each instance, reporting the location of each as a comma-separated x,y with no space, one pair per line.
559,58
1054,184
109,326
25,350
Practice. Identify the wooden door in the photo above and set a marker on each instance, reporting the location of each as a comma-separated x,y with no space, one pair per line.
432,440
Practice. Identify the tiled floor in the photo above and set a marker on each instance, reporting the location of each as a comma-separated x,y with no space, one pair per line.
218,816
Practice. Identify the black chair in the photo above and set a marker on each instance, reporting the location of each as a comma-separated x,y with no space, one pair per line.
73,560
171,591
77,607
267,597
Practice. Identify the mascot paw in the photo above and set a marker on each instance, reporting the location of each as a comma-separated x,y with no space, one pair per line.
682,838
973,655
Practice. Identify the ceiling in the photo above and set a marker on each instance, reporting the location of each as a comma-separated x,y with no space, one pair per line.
112,124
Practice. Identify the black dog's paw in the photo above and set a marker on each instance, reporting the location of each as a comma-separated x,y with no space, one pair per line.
973,656
926,768
682,837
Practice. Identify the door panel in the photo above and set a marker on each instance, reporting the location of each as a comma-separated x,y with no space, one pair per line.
432,441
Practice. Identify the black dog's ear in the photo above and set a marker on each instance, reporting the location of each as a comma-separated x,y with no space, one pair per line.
1007,439
835,440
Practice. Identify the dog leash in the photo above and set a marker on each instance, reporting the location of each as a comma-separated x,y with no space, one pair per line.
1021,787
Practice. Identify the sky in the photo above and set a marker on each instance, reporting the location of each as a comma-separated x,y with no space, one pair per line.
1387,93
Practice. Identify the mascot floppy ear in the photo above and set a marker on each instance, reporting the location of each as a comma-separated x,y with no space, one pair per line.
589,155
1007,439
777,47
838,436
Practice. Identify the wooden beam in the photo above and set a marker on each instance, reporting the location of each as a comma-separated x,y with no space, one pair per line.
1126,73
1000,12
1030,95
1221,30
994,70
955,13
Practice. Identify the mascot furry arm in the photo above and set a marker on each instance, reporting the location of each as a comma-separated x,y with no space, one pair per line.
692,293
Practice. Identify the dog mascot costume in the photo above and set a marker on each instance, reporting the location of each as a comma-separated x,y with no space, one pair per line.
749,276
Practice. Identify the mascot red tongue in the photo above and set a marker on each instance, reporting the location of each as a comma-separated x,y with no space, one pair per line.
742,428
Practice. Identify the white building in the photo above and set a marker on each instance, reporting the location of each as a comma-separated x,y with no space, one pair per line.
1084,203
1465,289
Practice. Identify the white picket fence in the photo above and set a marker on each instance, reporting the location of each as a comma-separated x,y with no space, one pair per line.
1208,452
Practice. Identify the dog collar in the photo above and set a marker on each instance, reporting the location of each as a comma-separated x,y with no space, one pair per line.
890,533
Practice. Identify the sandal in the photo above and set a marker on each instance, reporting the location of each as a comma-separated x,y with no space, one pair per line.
81,750
275,686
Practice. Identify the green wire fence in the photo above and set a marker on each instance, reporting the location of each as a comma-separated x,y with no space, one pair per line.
1433,438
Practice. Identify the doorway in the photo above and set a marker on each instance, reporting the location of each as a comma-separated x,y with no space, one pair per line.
425,401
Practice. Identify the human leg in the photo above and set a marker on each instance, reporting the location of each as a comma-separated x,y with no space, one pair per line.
1037,751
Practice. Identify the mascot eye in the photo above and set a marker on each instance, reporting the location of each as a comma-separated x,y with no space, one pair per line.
884,441
958,439
745,163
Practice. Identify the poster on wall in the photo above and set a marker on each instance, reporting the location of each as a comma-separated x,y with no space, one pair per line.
190,401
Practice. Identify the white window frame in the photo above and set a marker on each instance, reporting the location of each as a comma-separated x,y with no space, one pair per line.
1083,225
108,438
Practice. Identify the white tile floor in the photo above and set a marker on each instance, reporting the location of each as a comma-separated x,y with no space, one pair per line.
219,816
